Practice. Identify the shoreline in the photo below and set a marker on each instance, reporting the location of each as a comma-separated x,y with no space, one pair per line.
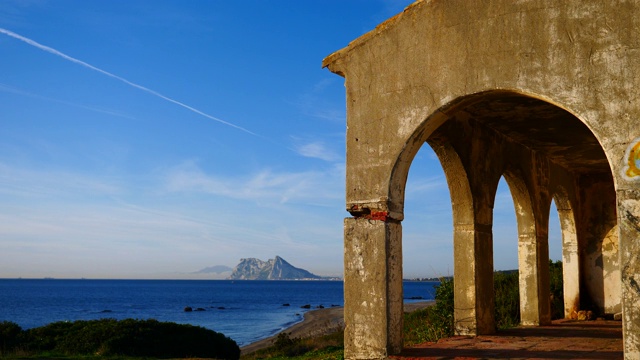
317,323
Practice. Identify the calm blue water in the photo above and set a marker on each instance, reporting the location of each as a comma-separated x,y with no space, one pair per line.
246,311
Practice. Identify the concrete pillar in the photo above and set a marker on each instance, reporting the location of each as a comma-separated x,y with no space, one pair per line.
528,275
533,264
473,282
373,307
611,272
533,245
629,230
598,235
570,260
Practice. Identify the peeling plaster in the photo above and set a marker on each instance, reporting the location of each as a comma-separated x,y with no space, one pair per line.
631,168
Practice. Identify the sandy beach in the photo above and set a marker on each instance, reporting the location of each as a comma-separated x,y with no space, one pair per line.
319,322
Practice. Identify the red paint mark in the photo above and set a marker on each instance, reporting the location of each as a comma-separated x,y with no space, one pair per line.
378,215
366,213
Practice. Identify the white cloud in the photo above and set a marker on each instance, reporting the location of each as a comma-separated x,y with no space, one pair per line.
317,150
70,224
428,184
311,187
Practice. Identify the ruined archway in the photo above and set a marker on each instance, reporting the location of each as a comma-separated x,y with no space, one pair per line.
539,147
495,90
478,139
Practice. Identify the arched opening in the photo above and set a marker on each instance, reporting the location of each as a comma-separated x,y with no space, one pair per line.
506,244
538,146
557,267
427,243
555,233
505,229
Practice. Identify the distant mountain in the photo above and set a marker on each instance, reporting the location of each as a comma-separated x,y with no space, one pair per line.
214,270
273,269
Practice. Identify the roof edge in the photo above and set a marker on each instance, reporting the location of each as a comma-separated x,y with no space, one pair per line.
380,28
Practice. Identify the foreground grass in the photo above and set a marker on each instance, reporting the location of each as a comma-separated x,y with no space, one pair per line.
326,347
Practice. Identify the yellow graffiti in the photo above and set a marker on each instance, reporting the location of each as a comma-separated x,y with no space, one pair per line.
634,161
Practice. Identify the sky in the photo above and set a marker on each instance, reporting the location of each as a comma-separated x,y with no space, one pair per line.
154,138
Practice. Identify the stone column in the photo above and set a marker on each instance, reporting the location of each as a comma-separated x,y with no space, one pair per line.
599,243
473,279
373,305
629,225
533,264
570,261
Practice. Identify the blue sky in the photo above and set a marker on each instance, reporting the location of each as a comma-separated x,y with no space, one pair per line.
150,139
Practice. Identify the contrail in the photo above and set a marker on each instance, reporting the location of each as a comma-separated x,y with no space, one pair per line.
89,66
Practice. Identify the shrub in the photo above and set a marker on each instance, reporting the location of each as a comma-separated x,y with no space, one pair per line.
290,347
557,290
46,337
164,339
507,293
325,347
10,336
130,338
507,299
434,322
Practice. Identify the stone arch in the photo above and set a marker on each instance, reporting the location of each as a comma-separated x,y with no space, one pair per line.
514,68
428,125
473,188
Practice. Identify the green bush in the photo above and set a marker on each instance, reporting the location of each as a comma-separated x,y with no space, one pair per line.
557,290
507,299
507,296
437,321
434,322
109,337
46,337
10,336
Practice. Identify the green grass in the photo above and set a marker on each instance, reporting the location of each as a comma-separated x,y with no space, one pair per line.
326,347
434,322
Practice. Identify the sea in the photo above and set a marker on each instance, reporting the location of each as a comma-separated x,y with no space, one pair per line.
245,311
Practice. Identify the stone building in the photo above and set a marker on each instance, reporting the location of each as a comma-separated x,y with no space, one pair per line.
543,92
